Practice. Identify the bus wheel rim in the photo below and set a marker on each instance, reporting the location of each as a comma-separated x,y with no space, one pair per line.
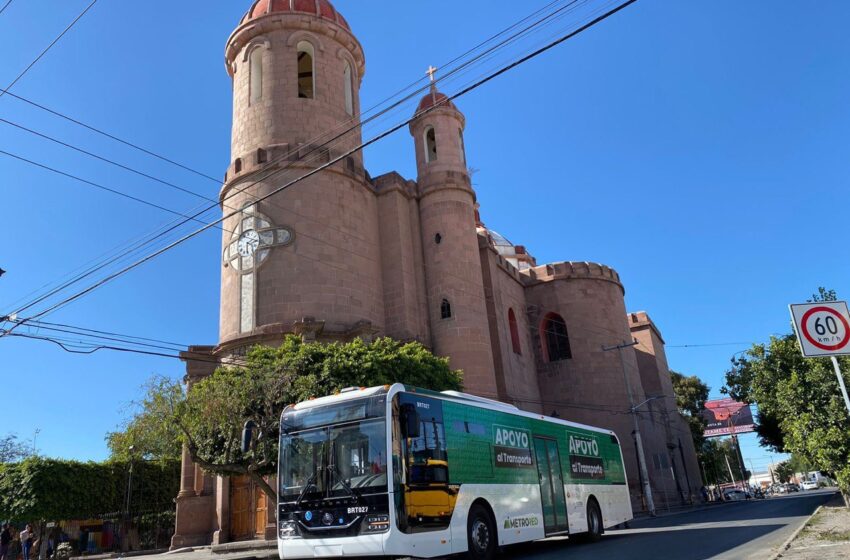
480,535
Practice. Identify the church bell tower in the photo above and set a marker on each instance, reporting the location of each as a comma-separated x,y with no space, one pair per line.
453,275
305,259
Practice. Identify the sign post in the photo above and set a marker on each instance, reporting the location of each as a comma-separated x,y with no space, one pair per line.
823,329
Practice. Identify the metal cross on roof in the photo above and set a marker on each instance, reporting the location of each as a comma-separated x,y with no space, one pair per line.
431,71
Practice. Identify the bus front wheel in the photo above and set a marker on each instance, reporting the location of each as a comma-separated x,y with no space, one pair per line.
481,534
594,521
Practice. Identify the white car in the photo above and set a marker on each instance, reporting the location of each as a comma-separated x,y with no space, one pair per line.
735,495
809,485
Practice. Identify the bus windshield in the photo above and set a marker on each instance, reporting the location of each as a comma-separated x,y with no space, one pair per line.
334,461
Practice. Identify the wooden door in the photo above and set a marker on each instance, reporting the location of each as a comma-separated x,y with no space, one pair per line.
241,526
261,512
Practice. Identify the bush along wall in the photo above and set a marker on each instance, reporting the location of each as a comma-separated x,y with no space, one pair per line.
39,489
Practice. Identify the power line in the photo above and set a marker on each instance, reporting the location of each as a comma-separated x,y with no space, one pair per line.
6,5
50,46
103,187
317,148
217,181
104,133
706,345
106,160
337,159
106,335
82,348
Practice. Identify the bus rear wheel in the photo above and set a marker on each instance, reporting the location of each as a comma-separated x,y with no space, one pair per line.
594,521
481,534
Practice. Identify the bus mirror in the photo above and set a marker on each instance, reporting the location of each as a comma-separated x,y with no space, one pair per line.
247,435
410,422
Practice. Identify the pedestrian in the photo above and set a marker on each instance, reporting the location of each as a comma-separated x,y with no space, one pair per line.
704,492
26,541
5,541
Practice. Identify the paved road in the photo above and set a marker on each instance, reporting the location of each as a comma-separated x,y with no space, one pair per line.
742,530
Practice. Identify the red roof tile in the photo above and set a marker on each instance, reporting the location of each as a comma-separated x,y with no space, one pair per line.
319,8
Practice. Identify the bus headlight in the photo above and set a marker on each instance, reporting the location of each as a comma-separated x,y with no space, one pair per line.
287,529
377,523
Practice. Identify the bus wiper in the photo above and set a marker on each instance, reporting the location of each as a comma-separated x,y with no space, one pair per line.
310,482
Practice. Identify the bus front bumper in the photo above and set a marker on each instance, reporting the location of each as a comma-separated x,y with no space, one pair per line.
363,545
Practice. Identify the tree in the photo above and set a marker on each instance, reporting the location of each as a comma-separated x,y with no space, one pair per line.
149,436
211,415
717,456
783,471
799,396
12,450
691,394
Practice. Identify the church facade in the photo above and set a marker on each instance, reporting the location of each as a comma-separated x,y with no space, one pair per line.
342,254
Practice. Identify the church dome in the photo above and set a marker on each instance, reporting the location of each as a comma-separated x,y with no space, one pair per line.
319,8
434,98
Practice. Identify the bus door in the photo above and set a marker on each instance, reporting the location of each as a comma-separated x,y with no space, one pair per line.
551,485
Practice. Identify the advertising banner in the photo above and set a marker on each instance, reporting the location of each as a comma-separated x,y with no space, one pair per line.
585,459
512,448
725,417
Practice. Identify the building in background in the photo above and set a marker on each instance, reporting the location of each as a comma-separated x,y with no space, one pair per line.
343,254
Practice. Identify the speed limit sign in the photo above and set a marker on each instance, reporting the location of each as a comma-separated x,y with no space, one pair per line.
823,328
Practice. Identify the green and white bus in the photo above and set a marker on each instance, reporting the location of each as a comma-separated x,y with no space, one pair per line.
400,471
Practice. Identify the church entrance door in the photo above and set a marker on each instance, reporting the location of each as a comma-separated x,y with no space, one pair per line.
241,522
261,512
248,509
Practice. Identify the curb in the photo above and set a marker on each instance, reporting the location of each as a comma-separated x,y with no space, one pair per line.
787,544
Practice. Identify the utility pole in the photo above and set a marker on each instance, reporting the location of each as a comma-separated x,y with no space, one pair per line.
34,438
647,488
732,476
841,382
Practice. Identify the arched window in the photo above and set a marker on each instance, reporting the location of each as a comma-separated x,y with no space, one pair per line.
445,309
349,89
256,71
556,338
306,71
514,332
462,146
430,145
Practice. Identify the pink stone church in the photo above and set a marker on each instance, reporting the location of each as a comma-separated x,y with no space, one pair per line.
343,254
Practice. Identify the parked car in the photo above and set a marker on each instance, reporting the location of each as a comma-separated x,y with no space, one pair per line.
734,495
793,487
809,485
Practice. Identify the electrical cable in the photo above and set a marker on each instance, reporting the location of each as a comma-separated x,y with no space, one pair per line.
6,5
285,156
50,46
217,181
77,349
105,188
356,149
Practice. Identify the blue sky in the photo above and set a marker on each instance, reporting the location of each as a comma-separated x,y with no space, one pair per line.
699,148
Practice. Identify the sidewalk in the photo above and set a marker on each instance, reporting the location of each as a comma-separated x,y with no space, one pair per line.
826,536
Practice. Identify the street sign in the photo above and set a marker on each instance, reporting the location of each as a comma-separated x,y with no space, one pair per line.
823,328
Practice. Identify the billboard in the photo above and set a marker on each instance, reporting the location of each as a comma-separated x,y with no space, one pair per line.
725,417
